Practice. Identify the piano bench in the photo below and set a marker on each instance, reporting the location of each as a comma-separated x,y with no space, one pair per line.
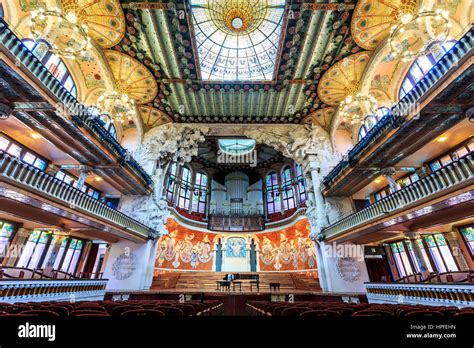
274,286
256,284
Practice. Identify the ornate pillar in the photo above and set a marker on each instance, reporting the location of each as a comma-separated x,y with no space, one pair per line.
312,166
453,241
49,264
419,259
14,249
82,178
321,267
389,174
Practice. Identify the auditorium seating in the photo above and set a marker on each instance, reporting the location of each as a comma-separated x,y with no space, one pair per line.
125,309
339,310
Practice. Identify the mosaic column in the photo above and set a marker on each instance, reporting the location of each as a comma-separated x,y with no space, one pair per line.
13,251
453,241
413,237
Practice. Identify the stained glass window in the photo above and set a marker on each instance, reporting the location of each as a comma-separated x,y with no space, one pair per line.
288,192
301,183
237,40
35,248
273,193
441,253
71,259
401,259
185,189
422,66
171,182
200,193
53,63
6,232
468,234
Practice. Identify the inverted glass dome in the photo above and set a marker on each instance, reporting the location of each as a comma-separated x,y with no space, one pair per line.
236,146
237,40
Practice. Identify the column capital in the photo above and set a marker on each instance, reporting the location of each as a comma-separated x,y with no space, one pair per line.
389,171
412,235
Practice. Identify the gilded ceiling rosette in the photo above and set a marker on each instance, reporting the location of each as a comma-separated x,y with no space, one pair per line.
132,77
343,79
372,19
105,19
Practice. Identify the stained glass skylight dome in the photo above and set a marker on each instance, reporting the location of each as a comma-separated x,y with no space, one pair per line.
236,146
237,40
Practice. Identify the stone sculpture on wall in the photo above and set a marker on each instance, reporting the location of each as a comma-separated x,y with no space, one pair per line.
297,141
161,146
171,143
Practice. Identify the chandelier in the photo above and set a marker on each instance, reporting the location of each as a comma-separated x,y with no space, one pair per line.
117,105
436,27
354,108
69,40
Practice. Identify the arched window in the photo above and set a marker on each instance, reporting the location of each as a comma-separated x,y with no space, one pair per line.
287,188
273,193
170,183
370,121
185,188
301,183
200,193
421,66
53,63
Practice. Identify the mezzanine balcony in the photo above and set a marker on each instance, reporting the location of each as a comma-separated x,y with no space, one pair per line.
456,175
26,177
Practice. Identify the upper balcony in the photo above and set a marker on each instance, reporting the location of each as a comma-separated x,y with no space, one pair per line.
440,100
448,192
40,101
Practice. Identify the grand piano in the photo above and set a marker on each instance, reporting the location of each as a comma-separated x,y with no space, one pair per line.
237,278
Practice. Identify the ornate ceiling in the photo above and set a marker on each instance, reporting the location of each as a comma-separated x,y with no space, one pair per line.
289,44
296,59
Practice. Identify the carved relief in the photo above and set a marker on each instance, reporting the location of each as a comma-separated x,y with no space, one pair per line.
171,143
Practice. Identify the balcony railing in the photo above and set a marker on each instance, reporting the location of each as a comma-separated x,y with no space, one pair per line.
456,294
455,173
236,223
25,290
81,115
35,180
394,118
